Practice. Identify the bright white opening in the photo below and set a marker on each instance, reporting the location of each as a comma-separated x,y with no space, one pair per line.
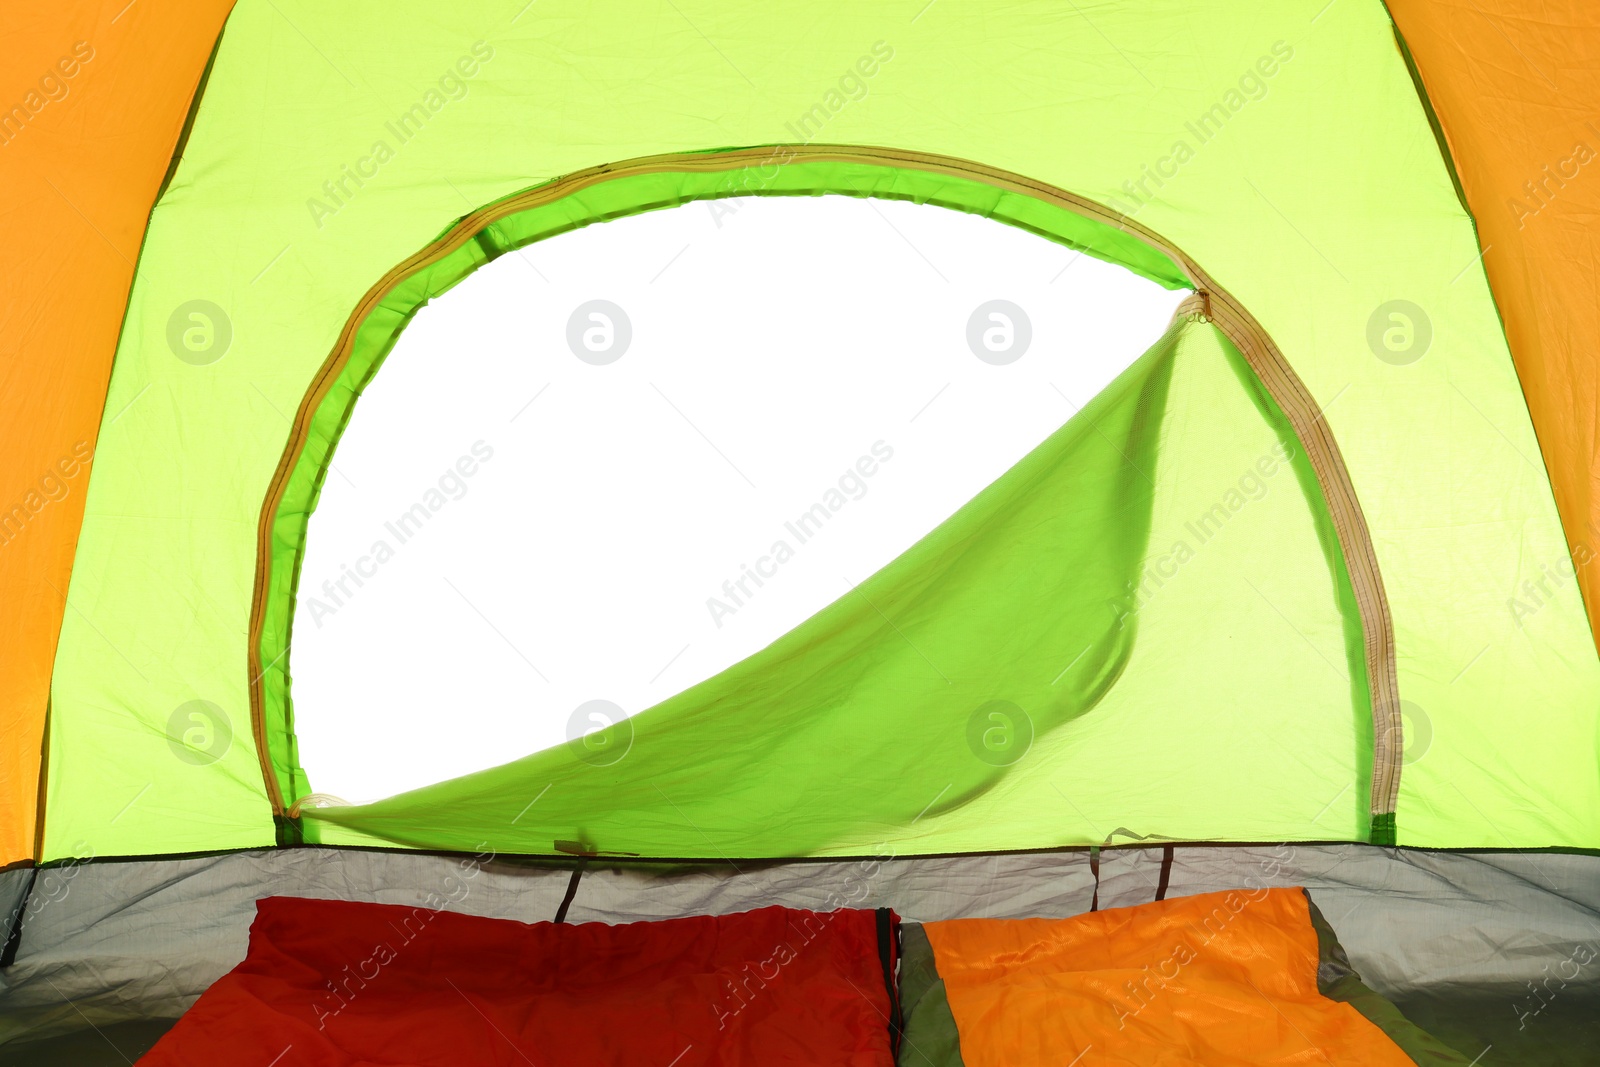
584,526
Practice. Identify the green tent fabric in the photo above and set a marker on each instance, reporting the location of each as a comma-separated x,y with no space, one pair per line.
1280,159
1011,661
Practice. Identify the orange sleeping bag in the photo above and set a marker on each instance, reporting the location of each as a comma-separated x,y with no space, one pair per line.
1220,978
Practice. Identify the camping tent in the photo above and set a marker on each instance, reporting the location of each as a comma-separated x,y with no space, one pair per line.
221,216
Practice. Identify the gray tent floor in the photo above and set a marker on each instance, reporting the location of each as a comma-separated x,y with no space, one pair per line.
1488,1025
1565,1033
114,1045
1492,953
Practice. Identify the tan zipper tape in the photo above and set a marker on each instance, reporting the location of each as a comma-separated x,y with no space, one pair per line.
1229,316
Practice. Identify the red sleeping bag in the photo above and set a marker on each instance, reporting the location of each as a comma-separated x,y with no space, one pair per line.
335,984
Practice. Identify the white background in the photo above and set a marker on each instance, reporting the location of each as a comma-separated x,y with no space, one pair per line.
774,342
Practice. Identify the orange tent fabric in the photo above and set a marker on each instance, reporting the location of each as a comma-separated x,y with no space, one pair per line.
1516,90
1215,978
91,108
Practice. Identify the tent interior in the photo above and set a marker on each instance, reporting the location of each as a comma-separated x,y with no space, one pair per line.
936,533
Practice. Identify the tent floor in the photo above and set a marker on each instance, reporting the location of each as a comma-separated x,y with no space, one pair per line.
113,1045
1565,1033
1458,941
1487,1025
